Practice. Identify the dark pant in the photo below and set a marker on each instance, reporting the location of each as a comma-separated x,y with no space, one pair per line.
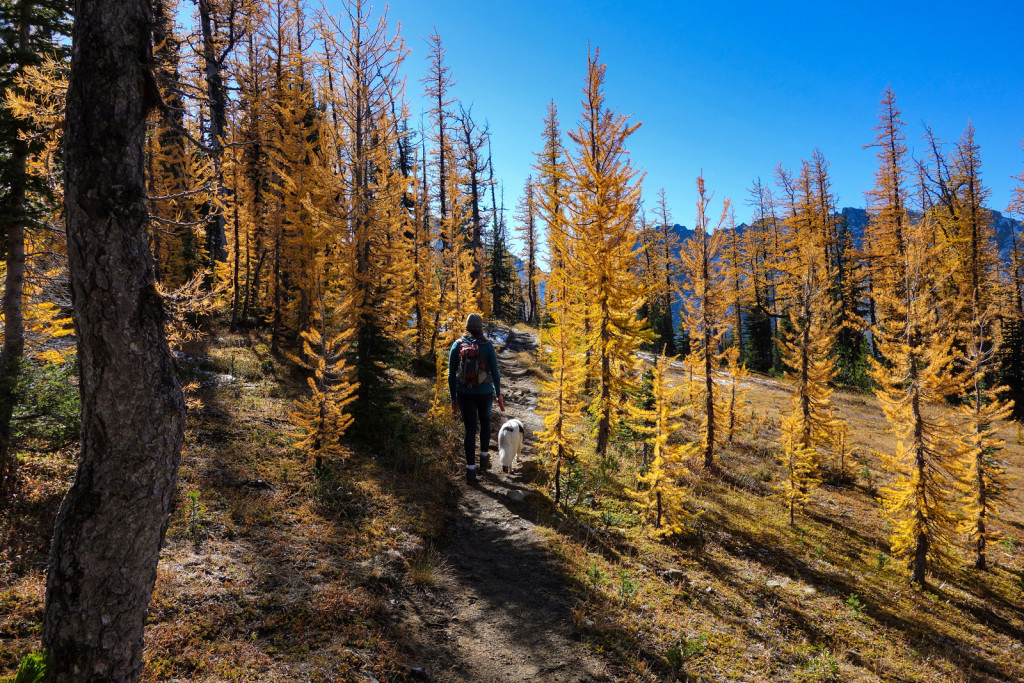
476,413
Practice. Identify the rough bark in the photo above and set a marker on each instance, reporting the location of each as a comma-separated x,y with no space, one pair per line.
112,522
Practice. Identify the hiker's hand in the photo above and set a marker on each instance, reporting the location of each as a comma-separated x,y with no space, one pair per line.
455,407
501,404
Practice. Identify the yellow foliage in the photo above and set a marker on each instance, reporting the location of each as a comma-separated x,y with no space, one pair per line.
914,381
45,322
603,201
184,305
320,420
799,463
983,413
705,309
663,493
560,400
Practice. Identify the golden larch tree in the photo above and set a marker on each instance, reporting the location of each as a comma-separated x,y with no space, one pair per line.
605,191
706,308
914,378
660,489
983,414
321,419
560,400
375,270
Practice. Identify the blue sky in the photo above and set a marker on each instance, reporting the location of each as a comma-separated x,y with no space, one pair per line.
733,89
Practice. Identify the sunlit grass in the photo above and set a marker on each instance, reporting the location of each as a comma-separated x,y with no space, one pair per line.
746,595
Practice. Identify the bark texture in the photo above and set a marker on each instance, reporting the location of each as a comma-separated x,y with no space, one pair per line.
112,522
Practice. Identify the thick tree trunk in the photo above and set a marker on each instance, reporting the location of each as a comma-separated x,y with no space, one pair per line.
111,524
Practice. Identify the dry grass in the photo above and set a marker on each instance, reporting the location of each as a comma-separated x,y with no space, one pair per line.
270,571
427,567
747,597
274,572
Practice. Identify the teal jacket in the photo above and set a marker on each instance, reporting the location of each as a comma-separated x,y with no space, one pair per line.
490,361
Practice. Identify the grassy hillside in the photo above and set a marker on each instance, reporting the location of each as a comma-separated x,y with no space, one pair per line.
747,597
276,571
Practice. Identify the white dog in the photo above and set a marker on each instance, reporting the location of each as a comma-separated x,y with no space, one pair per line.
510,442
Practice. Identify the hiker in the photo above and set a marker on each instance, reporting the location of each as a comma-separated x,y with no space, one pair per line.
473,381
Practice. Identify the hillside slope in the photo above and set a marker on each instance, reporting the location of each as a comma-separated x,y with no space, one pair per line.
385,566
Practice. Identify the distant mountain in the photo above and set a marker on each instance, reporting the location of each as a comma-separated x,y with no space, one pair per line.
542,275
858,221
1004,225
682,232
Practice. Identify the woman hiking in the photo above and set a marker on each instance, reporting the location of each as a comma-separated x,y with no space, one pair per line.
473,381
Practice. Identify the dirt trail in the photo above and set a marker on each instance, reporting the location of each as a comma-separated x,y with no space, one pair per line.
506,613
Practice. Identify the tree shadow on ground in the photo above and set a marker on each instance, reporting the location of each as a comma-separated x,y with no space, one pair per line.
757,547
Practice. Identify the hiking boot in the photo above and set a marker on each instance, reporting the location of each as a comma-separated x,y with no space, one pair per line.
485,462
470,476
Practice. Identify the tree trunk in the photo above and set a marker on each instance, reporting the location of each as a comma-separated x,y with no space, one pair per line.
217,93
111,524
14,285
709,399
558,481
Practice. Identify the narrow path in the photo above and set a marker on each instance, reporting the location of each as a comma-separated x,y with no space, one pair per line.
506,615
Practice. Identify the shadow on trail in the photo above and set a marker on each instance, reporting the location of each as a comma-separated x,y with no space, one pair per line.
512,614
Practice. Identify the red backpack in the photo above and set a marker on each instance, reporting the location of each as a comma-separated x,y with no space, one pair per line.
471,371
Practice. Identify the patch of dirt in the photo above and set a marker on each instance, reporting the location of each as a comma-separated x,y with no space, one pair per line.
503,611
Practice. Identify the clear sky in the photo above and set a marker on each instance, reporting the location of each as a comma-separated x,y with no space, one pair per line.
735,88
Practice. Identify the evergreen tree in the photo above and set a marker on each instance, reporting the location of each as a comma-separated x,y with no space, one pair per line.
30,30
666,262
759,245
733,262
1011,354
528,229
